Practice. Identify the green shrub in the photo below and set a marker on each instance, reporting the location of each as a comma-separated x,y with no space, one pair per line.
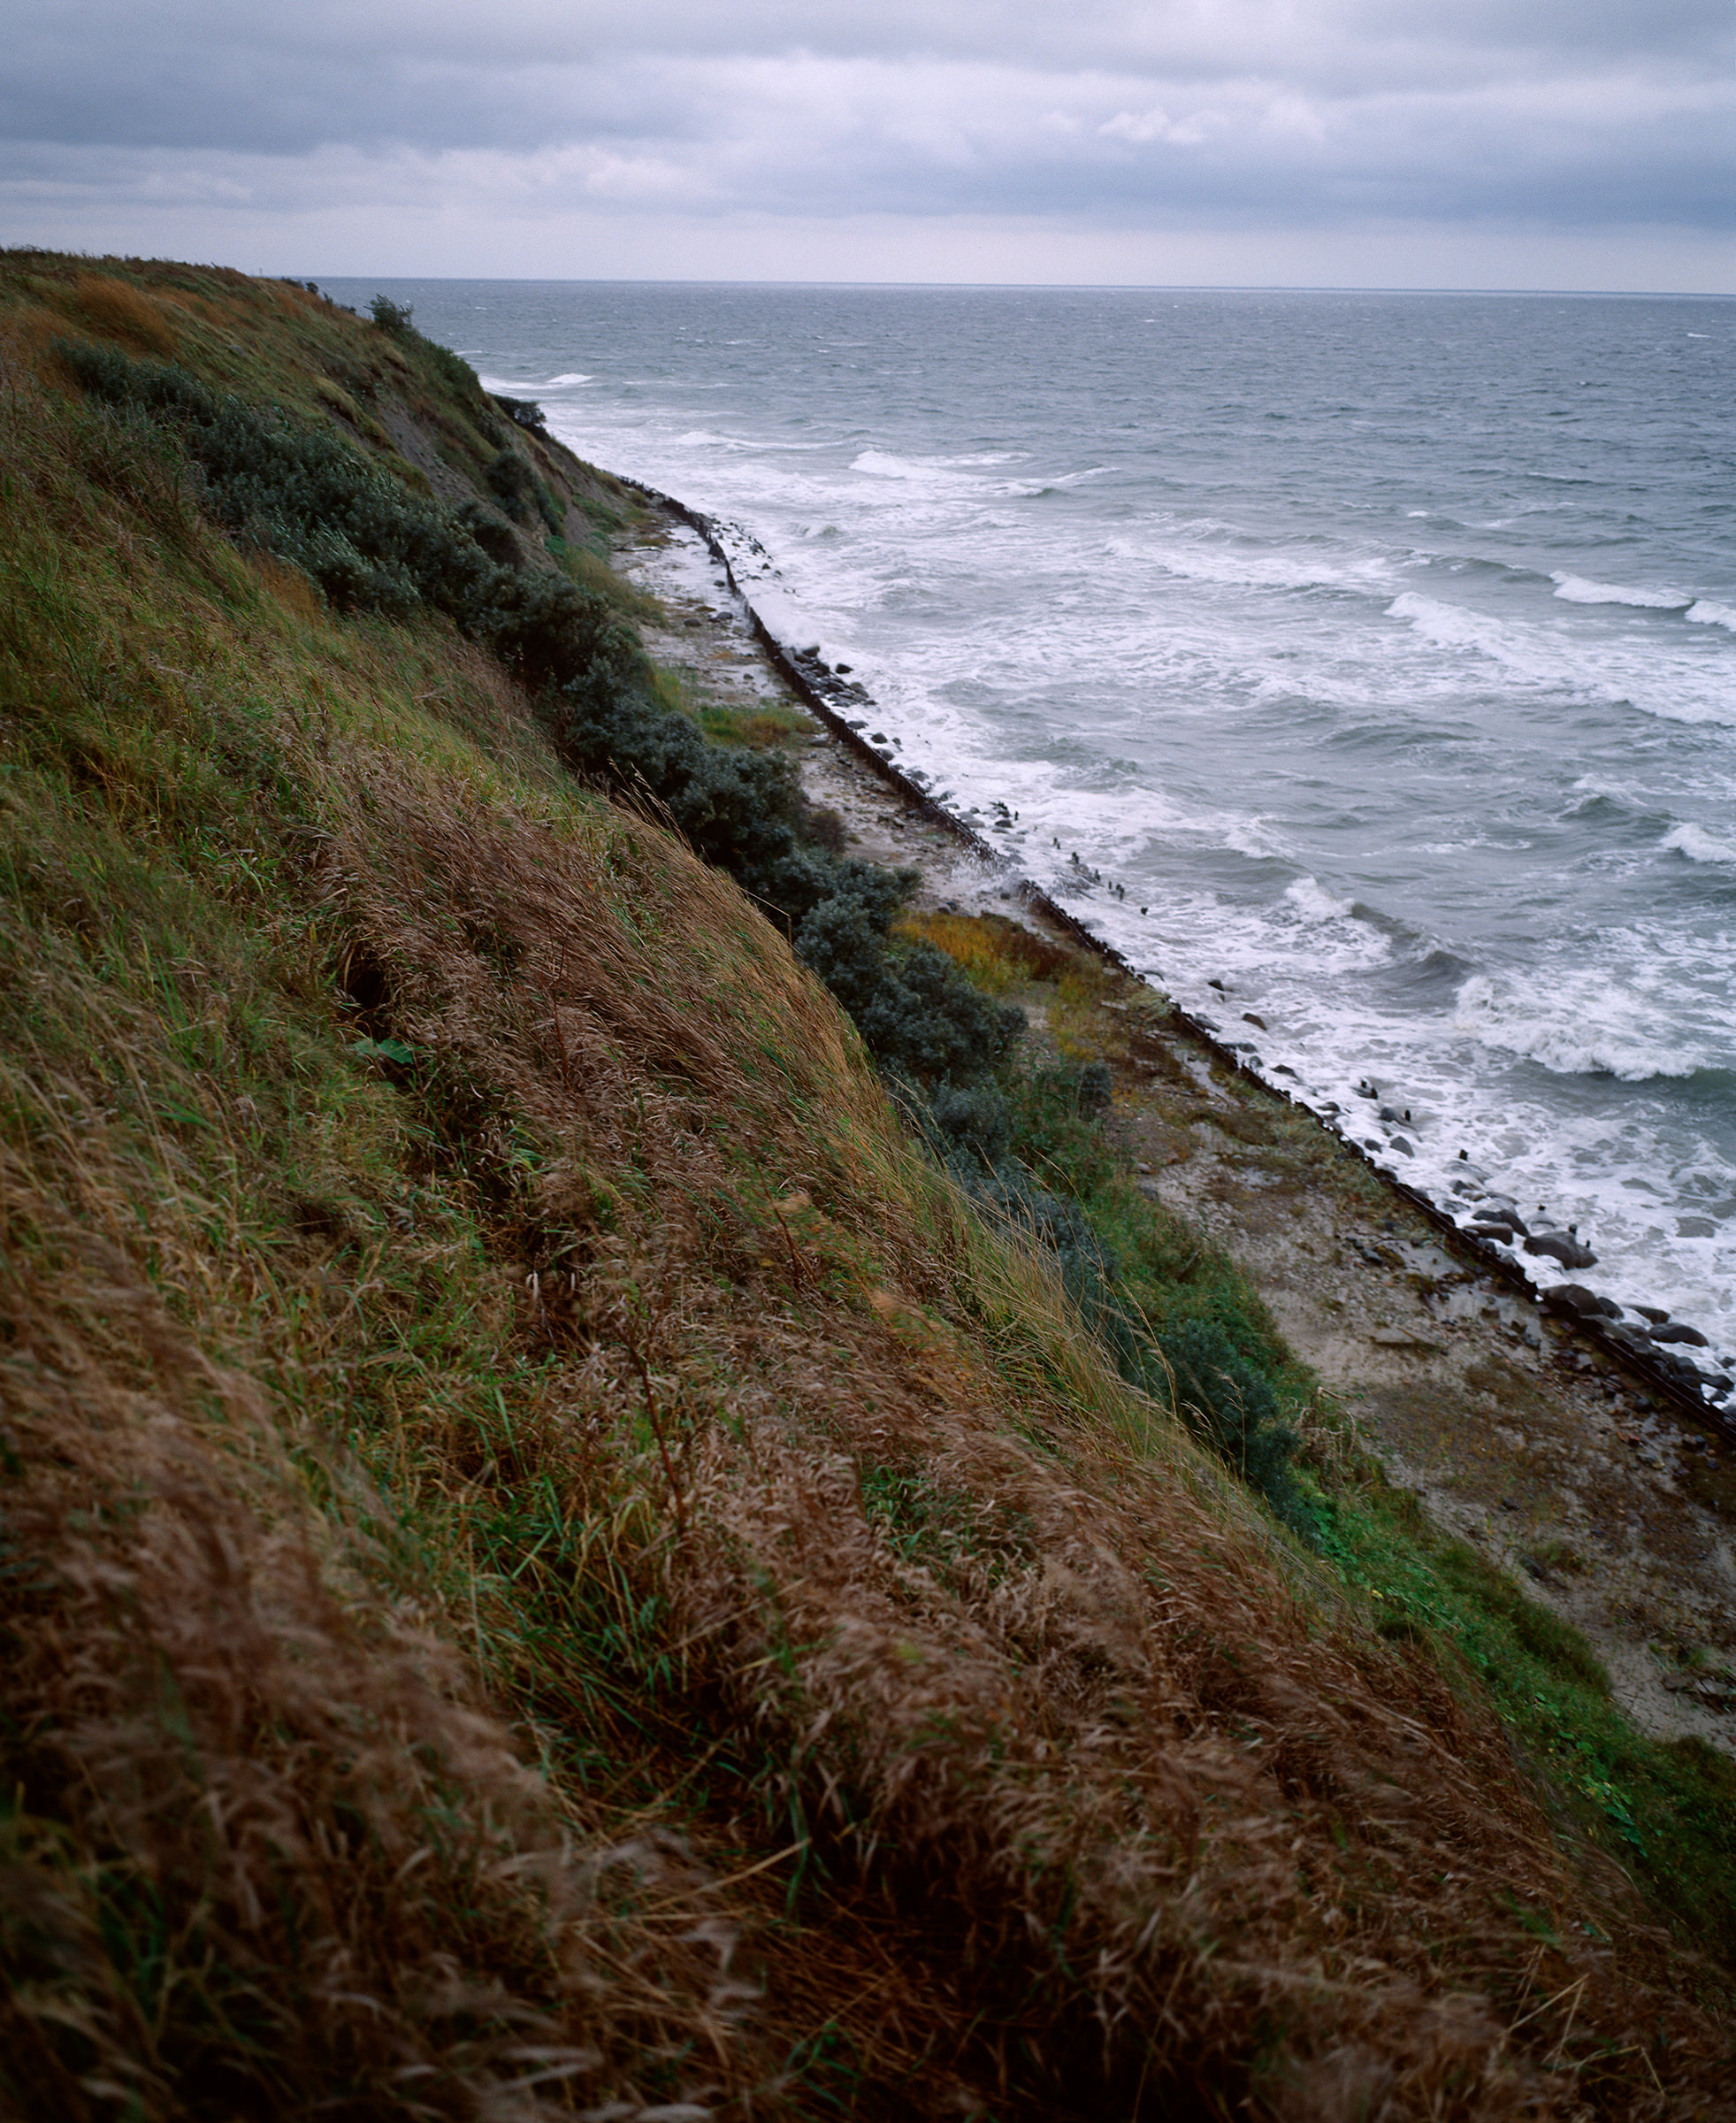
393,318
1139,1296
309,497
513,484
523,412
1233,1407
972,1125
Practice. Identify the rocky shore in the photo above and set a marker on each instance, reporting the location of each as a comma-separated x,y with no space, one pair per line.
1582,1450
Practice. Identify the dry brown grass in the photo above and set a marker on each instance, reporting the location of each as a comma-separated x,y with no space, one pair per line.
117,309
763,1658
224,1744
1159,1816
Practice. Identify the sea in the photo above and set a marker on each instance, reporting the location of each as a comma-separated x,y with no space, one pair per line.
1362,666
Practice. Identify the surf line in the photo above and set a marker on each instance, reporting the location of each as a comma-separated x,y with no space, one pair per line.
827,697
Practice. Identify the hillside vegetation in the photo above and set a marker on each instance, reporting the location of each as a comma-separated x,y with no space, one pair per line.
571,1545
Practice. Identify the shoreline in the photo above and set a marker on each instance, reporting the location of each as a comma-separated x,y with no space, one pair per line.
827,697
1596,1483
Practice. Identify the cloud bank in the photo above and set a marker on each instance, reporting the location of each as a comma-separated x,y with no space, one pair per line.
1386,141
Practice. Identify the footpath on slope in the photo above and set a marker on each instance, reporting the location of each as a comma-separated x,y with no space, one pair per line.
1609,1496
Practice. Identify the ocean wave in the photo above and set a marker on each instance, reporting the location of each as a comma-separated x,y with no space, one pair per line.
1311,898
561,383
1698,845
1575,589
1671,685
943,475
704,438
882,464
1704,612
1592,1027
1194,560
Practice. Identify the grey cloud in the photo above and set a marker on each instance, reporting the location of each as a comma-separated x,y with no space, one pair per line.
1578,111
532,71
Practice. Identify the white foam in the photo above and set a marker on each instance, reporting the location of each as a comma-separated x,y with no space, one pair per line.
563,383
947,477
1575,589
1313,899
1251,837
703,438
1674,684
1704,612
1698,845
1588,1024
1199,556
1452,626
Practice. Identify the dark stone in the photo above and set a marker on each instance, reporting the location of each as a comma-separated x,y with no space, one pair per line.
1682,1369
1401,1146
1558,1246
1676,1332
1576,1300
1248,1017
1634,1339
1651,1312
1510,1219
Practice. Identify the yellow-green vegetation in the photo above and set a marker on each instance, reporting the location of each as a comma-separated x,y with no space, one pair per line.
997,955
1666,1812
553,1564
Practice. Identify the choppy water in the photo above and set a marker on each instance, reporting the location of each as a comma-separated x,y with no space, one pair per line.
1383,647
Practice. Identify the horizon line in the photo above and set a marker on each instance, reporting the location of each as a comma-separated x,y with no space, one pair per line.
1690,295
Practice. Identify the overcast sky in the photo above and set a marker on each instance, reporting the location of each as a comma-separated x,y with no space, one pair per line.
1496,143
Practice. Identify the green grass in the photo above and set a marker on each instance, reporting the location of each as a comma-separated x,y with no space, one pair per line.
1666,1811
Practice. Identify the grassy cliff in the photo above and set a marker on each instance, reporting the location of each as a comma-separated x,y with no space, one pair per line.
557,1562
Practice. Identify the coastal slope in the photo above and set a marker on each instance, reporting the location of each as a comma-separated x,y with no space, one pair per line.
558,1560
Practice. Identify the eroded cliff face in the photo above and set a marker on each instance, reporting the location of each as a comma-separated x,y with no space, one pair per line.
554,1562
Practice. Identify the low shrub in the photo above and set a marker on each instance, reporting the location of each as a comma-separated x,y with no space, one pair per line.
512,483
394,318
523,412
1200,1346
310,499
515,487
1232,1406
